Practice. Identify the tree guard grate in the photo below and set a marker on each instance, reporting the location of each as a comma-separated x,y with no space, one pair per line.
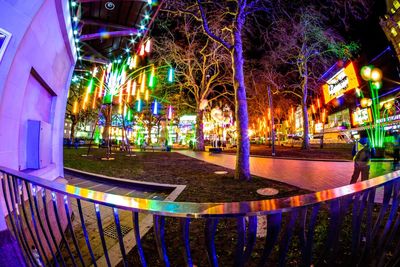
111,230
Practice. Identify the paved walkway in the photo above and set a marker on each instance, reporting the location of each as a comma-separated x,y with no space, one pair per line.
310,175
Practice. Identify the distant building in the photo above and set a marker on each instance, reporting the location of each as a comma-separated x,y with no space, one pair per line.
67,128
391,24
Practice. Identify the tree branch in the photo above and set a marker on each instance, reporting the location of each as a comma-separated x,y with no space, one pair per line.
207,30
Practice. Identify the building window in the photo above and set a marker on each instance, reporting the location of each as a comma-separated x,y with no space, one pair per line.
396,4
393,31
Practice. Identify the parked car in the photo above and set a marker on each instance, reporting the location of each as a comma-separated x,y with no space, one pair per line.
295,137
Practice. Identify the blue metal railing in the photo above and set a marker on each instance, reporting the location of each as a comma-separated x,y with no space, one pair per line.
39,214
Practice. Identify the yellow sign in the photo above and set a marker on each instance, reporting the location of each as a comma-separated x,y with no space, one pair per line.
361,116
344,80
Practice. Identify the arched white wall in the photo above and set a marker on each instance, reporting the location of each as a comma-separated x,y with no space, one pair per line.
35,74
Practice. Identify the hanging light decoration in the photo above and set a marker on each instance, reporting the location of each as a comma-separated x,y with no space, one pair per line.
146,95
140,77
148,46
120,95
139,105
170,112
152,76
94,71
124,111
88,91
155,107
134,85
171,75
94,99
102,84
133,63
142,50
128,90
138,95
75,108
143,83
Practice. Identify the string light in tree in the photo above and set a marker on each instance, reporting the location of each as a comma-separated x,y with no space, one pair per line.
75,108
170,112
148,46
170,75
155,107
134,86
152,77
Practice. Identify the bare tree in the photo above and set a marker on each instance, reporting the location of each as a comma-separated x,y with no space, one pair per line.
230,18
306,46
201,69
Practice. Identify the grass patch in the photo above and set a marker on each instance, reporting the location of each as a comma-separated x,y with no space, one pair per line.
202,184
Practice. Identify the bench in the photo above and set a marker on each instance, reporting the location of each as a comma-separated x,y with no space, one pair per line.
215,150
153,148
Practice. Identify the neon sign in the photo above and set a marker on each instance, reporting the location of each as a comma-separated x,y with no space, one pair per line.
344,80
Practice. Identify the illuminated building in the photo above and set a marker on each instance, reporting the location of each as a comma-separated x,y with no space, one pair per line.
391,24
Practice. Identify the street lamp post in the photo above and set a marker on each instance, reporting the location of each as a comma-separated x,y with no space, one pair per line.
376,131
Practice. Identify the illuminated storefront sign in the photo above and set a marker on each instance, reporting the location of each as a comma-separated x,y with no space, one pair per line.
361,116
318,127
391,118
343,81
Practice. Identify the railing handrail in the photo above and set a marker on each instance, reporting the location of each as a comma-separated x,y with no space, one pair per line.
198,210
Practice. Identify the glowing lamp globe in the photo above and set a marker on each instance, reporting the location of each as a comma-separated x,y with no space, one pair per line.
376,75
366,73
376,85
369,102
388,105
364,102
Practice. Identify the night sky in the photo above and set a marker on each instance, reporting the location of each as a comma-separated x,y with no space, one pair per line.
369,32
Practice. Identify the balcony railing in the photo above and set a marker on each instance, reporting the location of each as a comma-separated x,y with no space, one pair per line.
40,215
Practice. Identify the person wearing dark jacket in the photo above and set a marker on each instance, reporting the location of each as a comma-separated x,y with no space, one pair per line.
361,160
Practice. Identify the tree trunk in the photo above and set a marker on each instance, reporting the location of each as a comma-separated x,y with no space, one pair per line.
199,131
107,124
306,140
242,170
74,122
149,126
271,108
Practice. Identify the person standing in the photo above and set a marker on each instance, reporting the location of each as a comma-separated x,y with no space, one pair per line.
361,160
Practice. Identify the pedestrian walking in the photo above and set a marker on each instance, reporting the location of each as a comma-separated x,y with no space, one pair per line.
396,150
76,143
361,160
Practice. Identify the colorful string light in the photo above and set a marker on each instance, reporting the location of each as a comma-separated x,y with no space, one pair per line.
171,75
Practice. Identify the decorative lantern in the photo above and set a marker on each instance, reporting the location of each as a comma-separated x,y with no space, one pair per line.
364,102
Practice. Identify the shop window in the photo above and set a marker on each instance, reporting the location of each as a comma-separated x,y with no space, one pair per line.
393,31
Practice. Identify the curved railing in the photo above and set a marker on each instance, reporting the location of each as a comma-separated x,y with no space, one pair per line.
356,224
